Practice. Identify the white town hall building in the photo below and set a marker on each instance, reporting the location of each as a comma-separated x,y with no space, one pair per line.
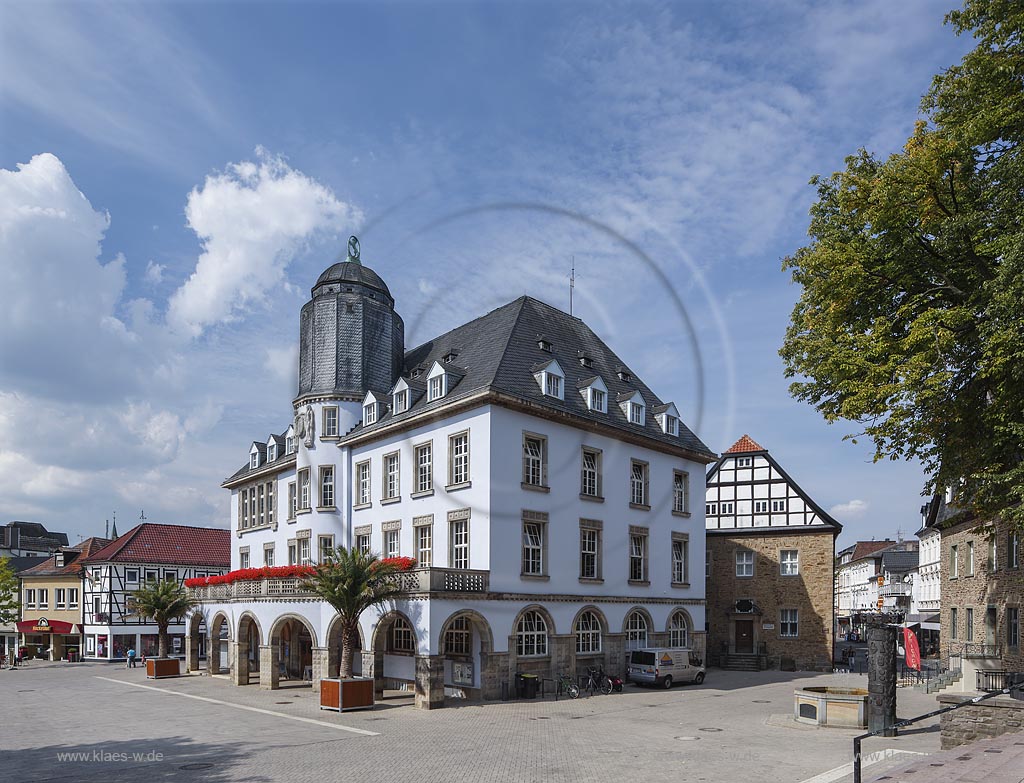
553,504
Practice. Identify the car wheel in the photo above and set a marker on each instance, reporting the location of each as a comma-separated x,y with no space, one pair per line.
699,678
667,683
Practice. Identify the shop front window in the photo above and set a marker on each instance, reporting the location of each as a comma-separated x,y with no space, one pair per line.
122,644
149,644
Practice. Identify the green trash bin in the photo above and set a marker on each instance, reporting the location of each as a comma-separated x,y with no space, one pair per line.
528,686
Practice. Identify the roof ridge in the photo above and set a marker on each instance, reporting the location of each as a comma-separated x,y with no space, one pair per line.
463,326
504,349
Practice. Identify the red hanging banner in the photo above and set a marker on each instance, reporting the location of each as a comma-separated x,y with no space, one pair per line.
913,650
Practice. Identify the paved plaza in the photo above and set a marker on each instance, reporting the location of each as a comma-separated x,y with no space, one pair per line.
78,722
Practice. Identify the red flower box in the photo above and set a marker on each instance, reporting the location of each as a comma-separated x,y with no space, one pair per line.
281,572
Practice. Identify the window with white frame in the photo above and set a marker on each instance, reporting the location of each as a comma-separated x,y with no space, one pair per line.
391,543
636,631
243,557
304,488
458,636
292,500
458,531
553,385
424,467
402,639
72,598
534,459
590,473
744,462
970,558
598,400
760,506
131,576
271,451
363,543
268,555
325,545
424,545
458,450
711,509
330,421
778,505
533,548
400,401
391,483
327,486
726,507
678,630
680,558
304,554
789,562
30,598
44,597
789,622
744,562
954,562
152,575
289,444
363,485
435,388
681,492
993,562
270,503
588,634
60,598
636,413
638,472
531,634
293,552
671,424
638,557
254,460
370,414
590,551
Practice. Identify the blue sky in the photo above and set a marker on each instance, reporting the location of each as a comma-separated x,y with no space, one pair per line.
173,178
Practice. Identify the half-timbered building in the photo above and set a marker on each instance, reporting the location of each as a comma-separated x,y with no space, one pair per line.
770,554
146,553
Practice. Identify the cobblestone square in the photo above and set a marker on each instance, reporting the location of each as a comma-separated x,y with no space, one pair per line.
76,722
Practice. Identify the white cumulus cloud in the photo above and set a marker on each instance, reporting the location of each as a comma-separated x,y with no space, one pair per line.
252,218
851,509
154,272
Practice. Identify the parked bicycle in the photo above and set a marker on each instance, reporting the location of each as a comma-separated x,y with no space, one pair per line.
567,686
597,680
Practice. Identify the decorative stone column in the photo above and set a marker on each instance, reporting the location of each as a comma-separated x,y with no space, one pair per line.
429,681
882,678
270,662
191,653
238,654
563,654
322,665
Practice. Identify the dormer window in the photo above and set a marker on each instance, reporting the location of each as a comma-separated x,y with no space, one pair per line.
550,378
370,414
544,345
58,559
636,413
450,357
624,374
671,425
598,400
435,388
586,361
289,444
553,385
595,394
254,460
400,401
271,451
415,372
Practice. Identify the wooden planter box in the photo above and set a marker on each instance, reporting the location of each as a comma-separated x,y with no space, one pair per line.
162,667
352,694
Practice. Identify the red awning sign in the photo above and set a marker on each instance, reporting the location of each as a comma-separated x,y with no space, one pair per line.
42,625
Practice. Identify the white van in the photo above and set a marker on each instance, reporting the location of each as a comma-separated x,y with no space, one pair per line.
663,666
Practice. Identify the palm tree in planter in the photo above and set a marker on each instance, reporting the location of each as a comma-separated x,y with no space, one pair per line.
163,602
352,582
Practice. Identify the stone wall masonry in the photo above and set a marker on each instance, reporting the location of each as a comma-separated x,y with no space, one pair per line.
810,592
990,718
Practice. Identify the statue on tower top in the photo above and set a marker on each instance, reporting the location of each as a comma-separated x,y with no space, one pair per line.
353,249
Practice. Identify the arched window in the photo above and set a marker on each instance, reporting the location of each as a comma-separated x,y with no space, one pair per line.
458,638
678,631
636,631
402,639
588,633
532,634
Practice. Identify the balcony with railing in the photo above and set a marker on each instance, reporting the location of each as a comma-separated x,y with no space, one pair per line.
415,581
895,590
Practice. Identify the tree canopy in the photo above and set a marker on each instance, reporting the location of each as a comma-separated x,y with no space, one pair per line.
10,593
911,318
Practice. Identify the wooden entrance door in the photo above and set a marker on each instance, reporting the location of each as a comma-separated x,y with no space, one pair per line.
744,636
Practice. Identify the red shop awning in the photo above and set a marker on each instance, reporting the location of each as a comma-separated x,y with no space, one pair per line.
43,625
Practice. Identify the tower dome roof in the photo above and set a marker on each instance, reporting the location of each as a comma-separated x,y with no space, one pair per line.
349,271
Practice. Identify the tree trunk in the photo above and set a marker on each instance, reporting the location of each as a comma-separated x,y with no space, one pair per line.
348,636
162,640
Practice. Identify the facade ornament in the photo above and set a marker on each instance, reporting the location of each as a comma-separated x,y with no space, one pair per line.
309,425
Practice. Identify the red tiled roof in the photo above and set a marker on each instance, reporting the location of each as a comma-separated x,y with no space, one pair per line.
73,559
171,544
744,445
865,548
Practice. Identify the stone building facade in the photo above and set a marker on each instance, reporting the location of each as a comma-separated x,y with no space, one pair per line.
982,593
770,566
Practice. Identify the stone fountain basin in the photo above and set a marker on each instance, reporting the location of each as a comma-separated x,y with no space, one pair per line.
845,708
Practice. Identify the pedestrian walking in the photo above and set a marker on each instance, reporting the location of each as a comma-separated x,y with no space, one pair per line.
131,658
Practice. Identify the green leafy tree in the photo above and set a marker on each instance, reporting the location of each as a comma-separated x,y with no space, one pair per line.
911,316
163,603
353,582
10,593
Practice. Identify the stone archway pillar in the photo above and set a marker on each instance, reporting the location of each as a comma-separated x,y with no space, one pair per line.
378,673
192,651
270,663
322,665
238,655
429,681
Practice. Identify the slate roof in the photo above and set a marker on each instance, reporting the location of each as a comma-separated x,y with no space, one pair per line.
352,272
900,562
745,445
73,558
170,544
497,352
20,564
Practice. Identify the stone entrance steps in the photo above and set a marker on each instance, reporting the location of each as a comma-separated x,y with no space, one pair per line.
940,683
742,662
